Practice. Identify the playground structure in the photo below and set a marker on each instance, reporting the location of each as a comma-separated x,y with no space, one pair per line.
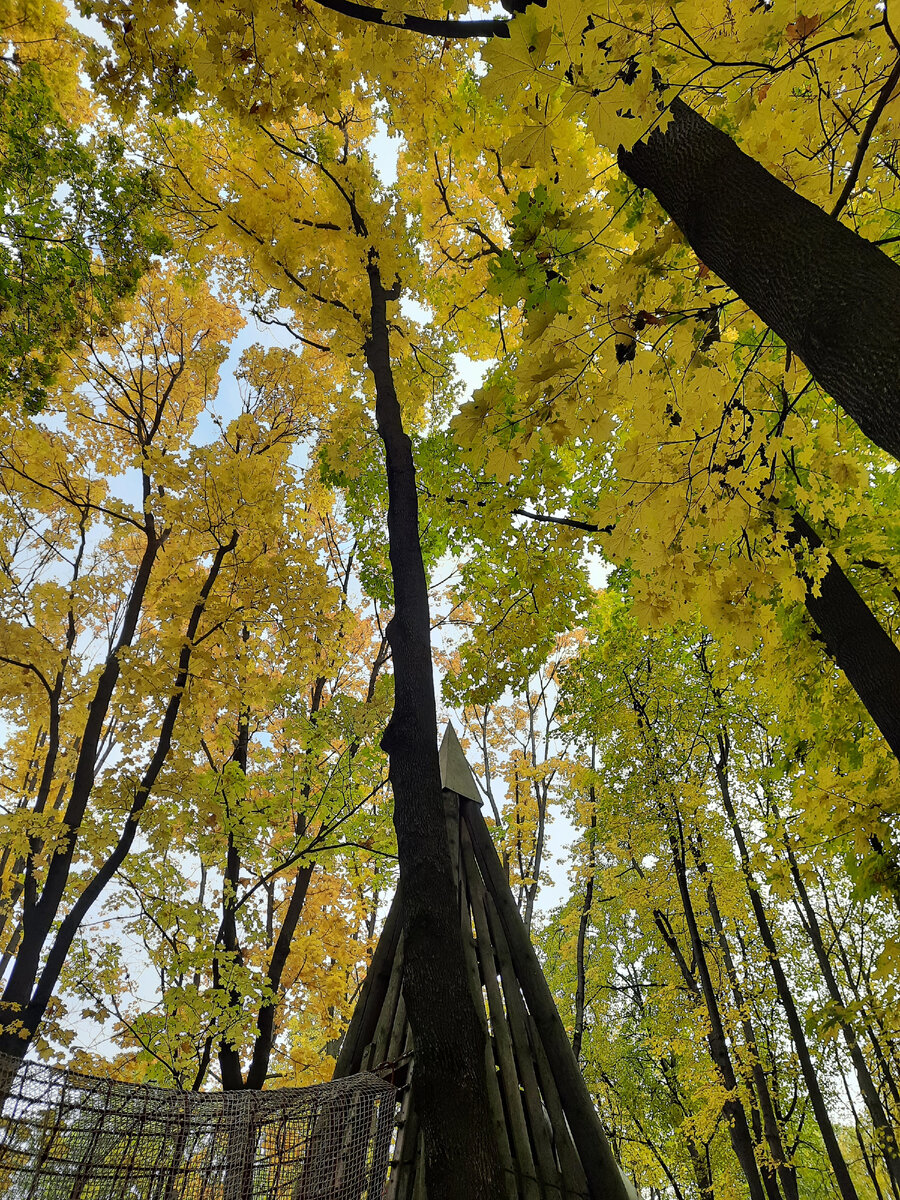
68,1136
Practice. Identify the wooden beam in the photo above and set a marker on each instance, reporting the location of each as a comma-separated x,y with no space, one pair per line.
605,1179
371,998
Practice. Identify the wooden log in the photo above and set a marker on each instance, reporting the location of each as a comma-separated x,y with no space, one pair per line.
479,974
377,1052
574,1181
604,1178
371,998
538,1119
412,1168
398,1032
509,1076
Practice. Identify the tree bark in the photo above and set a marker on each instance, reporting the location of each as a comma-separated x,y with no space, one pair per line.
854,638
780,1166
733,1109
885,1137
832,296
449,1088
785,995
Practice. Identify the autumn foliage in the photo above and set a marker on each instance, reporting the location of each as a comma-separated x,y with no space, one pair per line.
253,258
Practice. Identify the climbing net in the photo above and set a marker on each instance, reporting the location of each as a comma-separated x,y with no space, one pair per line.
65,1136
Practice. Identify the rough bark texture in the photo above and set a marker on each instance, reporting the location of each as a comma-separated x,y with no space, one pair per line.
450,1093
855,639
832,296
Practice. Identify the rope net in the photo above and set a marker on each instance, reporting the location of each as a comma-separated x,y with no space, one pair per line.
65,1136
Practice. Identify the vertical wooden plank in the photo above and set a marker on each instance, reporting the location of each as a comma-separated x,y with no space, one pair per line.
473,950
451,816
538,1119
392,1188
418,1192
377,1052
398,1032
605,1180
574,1181
361,1030
407,1154
509,1076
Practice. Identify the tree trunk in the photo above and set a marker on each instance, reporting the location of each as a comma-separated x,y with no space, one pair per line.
885,1136
26,999
583,922
733,1109
833,297
450,1091
785,995
779,1166
855,639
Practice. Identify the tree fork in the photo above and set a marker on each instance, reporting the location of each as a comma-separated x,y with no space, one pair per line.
450,1090
26,1007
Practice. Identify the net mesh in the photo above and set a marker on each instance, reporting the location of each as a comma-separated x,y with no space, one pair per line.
65,1136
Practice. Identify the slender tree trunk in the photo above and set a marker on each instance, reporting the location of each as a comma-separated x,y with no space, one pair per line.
785,995
265,1038
461,1162
733,1109
780,1166
856,640
583,922
229,1055
884,1132
31,985
871,1169
833,297
699,1155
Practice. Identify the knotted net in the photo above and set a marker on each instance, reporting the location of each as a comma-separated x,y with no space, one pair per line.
65,1136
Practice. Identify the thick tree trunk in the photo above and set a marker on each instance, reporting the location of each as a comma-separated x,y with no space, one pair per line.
855,639
833,297
461,1162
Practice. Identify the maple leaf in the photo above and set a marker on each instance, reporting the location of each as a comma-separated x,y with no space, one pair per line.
799,30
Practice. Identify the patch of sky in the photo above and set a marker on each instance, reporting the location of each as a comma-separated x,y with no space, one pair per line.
385,150
90,26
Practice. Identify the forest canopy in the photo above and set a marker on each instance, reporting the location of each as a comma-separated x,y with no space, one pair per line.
254,256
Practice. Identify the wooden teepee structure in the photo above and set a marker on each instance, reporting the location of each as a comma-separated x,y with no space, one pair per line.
548,1133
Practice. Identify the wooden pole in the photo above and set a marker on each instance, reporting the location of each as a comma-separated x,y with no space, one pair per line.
605,1179
374,989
